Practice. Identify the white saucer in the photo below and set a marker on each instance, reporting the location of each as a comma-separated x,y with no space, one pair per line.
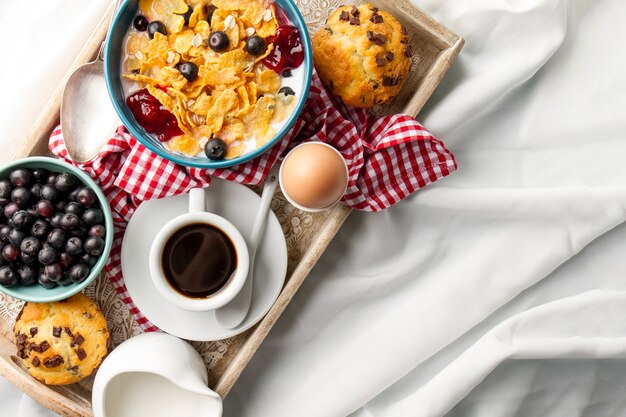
236,203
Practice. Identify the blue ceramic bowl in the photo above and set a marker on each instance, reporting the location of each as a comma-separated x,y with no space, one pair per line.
112,69
36,293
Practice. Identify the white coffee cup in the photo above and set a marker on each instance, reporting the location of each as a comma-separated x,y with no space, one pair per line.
198,214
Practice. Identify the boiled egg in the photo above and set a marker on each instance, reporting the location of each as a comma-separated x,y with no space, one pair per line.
313,176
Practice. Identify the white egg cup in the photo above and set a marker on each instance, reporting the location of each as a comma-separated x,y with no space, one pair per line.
308,209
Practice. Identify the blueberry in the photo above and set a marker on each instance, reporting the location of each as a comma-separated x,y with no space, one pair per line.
70,221
65,281
5,230
218,41
74,208
40,175
215,149
78,272
47,256
97,230
286,73
35,190
10,209
49,192
156,26
189,70
186,15
20,196
20,177
57,239
22,220
27,275
81,232
256,45
66,260
65,182
11,253
45,208
73,196
94,246
55,220
51,179
287,91
45,282
28,259
30,246
60,205
54,272
5,188
86,197
93,216
74,246
16,237
8,277
40,229
88,260
140,23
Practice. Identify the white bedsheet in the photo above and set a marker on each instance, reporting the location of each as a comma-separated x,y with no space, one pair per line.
501,290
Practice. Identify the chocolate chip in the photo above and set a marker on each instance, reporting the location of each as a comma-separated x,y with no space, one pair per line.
56,331
388,81
33,331
34,347
78,340
381,61
53,361
370,35
404,31
81,354
68,331
345,16
380,39
354,21
21,353
376,18
21,338
408,51
374,9
355,11
44,346
36,362
389,55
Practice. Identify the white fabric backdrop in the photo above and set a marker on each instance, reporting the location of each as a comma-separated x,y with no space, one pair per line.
499,291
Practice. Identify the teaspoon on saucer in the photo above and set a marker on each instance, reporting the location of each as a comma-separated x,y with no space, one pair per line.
233,313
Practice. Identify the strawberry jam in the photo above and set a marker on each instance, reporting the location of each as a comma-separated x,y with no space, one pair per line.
288,52
152,116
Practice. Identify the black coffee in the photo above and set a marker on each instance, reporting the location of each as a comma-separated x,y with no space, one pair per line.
198,260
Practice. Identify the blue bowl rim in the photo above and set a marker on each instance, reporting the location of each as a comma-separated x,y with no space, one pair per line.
131,125
97,268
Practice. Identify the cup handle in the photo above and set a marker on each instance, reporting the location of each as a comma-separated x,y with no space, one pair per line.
197,202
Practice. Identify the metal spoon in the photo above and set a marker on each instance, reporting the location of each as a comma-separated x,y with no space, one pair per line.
233,313
88,118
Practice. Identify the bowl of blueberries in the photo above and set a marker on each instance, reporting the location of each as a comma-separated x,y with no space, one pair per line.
56,230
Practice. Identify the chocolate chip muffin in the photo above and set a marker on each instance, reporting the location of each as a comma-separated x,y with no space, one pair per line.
61,343
362,55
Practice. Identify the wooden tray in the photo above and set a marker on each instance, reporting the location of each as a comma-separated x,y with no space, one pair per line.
308,235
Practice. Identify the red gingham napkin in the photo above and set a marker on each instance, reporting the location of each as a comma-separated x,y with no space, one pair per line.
388,159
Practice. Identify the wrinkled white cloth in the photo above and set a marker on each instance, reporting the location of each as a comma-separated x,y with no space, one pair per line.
501,290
